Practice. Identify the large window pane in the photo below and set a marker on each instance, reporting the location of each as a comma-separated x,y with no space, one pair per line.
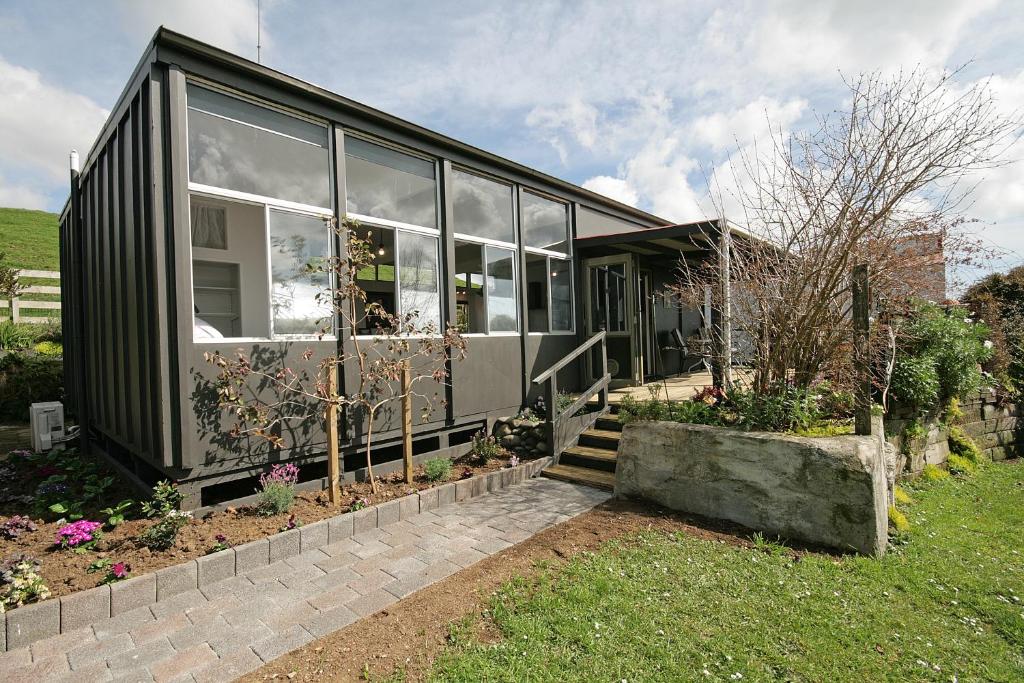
482,207
377,280
237,145
300,299
418,280
561,295
471,314
536,293
501,290
545,223
385,183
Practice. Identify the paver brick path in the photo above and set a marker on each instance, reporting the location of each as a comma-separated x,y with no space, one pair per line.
232,627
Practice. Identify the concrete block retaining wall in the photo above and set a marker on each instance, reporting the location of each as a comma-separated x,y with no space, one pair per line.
826,491
997,428
25,625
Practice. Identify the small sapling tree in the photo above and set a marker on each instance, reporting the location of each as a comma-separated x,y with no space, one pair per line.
264,400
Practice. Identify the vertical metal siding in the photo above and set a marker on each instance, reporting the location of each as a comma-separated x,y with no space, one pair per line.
109,274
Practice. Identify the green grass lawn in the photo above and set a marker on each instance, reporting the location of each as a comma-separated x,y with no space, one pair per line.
30,239
947,604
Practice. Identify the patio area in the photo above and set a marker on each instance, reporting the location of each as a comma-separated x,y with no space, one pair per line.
678,388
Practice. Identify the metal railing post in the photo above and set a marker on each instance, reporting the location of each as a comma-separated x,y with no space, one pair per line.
604,372
551,408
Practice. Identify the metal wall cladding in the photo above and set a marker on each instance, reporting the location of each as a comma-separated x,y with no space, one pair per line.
111,263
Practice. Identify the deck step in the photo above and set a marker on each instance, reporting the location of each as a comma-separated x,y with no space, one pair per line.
601,438
581,475
609,422
587,456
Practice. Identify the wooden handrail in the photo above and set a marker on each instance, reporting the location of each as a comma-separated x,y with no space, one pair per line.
570,357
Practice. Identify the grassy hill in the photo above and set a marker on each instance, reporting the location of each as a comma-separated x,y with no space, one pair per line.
29,238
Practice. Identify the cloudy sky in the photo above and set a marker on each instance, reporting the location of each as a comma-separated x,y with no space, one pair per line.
636,100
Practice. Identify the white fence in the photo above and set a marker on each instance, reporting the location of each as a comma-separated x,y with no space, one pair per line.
17,304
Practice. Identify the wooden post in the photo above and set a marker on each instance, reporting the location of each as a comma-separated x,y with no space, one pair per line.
15,313
725,267
862,349
333,456
407,420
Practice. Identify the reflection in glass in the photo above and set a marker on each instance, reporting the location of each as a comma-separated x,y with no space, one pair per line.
561,295
501,290
418,281
469,288
608,297
378,279
545,223
284,158
482,207
384,183
536,293
300,299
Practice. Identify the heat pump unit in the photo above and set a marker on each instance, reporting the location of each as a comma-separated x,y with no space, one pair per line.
47,424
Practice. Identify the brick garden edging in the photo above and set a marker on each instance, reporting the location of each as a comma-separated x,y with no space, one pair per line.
25,625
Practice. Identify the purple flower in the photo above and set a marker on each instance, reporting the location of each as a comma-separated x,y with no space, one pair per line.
221,538
287,475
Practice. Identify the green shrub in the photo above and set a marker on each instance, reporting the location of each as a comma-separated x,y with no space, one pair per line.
166,499
438,469
833,403
932,473
14,336
277,489
485,448
787,408
953,411
163,534
25,380
652,410
962,445
960,465
940,358
49,349
915,381
898,521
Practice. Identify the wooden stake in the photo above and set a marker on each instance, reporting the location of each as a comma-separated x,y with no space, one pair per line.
725,266
862,349
333,459
407,420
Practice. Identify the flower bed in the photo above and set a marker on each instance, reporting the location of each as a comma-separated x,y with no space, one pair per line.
82,539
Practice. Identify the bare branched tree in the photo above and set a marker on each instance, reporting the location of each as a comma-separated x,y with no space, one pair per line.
883,182
287,395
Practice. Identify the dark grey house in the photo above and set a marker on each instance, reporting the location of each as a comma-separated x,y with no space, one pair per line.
171,247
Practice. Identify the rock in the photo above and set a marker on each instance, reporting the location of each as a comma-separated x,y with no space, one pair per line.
502,430
825,490
541,447
510,441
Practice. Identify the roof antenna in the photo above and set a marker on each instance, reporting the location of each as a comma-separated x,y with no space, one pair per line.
258,46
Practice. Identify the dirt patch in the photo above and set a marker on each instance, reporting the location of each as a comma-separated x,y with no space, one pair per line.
65,572
412,632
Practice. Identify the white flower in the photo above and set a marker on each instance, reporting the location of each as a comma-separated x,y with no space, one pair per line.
988,343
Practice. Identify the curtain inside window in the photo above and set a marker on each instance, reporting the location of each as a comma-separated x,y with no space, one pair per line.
209,227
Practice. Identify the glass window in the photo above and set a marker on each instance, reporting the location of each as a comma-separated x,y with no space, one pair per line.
608,297
482,207
300,298
237,145
377,280
545,223
501,290
384,183
418,281
209,226
217,300
536,293
470,303
561,295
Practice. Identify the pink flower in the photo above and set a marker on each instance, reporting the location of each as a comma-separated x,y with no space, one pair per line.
120,570
77,533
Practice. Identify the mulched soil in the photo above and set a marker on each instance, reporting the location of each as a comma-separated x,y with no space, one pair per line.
409,635
65,572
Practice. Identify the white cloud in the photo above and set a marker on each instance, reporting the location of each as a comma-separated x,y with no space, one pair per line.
21,196
228,24
726,131
614,188
40,123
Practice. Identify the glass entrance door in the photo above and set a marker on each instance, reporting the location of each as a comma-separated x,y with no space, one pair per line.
610,298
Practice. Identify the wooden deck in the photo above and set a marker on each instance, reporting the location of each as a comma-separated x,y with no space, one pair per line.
680,388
